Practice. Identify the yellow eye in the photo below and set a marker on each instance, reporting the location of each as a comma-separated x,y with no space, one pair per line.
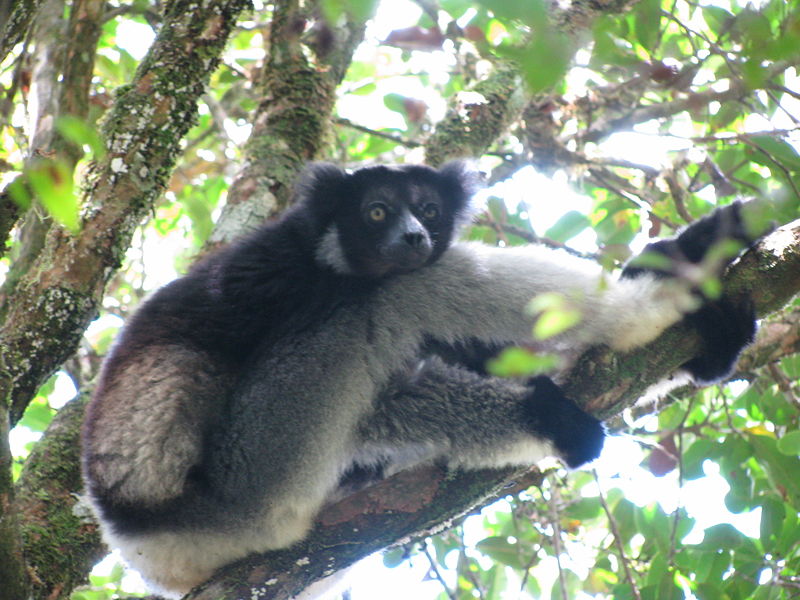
377,213
431,212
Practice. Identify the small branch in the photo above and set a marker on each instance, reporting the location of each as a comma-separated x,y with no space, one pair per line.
612,523
381,134
469,574
434,568
785,385
786,173
532,238
552,505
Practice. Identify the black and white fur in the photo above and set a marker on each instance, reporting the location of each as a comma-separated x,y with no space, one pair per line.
240,397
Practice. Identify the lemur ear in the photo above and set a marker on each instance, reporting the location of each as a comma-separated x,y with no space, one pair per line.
461,180
321,188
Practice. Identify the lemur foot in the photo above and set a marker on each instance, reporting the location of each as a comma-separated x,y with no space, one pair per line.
727,326
577,435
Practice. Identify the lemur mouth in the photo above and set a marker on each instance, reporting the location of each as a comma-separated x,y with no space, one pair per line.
405,259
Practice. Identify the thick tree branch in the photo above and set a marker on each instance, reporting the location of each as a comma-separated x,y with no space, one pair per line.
476,119
13,30
58,298
50,519
607,382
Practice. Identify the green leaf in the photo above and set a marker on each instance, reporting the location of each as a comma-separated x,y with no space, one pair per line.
717,18
625,518
713,565
609,48
584,509
79,132
51,181
789,444
647,19
773,514
568,226
724,536
657,569
782,470
394,557
530,12
395,102
652,522
543,62
790,533
501,550
38,414
360,9
572,585
709,591
778,150
554,315
740,496
520,362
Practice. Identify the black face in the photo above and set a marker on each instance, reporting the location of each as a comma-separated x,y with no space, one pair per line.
395,220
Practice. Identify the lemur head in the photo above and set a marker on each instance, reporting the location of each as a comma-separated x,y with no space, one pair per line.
380,220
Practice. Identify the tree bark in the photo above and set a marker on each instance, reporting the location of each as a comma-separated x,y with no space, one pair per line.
291,125
58,297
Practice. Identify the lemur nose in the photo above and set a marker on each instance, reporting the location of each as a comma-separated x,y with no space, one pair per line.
415,239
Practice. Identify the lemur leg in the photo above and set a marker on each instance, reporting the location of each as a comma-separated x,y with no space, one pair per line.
452,414
727,325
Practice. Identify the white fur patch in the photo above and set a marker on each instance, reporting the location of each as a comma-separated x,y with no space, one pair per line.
330,253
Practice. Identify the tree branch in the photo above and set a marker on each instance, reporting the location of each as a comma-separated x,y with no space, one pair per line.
607,382
21,15
292,122
59,296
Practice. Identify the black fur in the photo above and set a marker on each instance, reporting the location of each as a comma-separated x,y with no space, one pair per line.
726,325
577,435
269,285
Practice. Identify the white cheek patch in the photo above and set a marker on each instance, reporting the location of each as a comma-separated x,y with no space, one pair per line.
330,253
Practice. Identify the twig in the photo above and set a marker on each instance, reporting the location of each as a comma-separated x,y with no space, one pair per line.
784,384
532,238
381,134
468,572
612,523
778,164
555,498
434,568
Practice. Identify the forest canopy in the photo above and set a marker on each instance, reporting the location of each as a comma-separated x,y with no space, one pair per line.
136,136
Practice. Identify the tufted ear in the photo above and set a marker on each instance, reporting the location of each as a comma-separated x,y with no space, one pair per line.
460,181
320,190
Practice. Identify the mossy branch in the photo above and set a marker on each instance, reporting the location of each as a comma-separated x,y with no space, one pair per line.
55,301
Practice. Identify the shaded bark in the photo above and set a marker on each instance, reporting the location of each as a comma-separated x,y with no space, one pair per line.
21,13
51,517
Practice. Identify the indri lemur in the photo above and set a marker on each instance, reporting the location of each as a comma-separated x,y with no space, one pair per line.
242,395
